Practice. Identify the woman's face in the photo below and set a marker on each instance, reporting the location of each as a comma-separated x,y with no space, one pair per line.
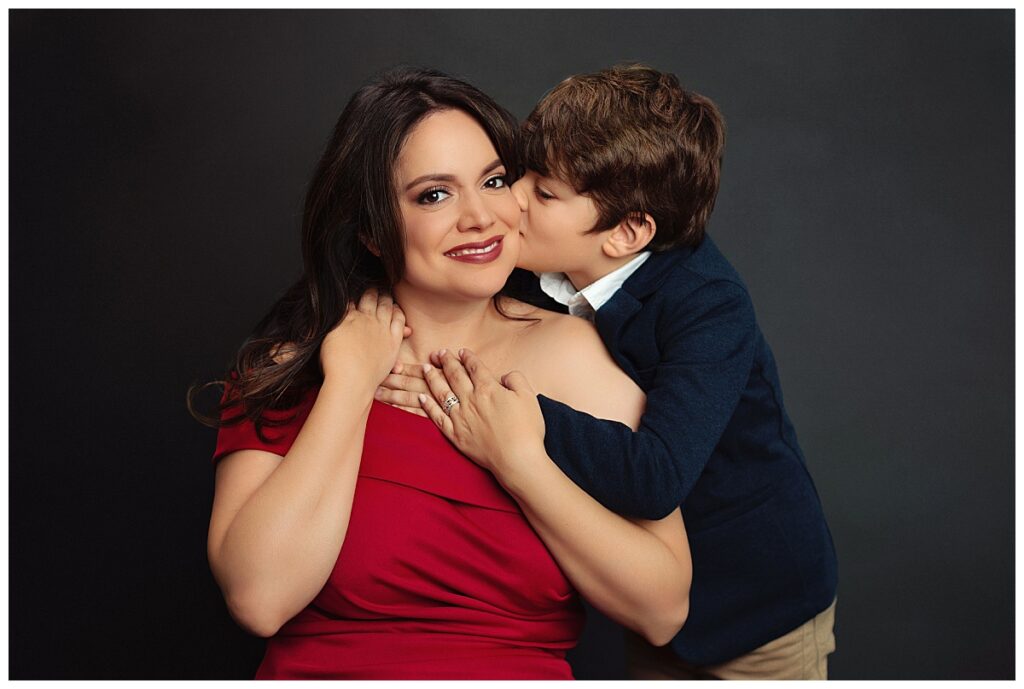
459,217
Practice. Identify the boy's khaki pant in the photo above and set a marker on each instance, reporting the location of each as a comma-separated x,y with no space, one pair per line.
800,654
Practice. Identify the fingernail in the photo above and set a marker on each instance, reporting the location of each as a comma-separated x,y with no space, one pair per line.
441,353
378,392
427,368
422,397
460,352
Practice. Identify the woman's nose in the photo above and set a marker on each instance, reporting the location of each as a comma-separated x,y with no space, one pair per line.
475,213
519,192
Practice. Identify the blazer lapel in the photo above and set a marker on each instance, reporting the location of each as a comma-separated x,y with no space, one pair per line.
612,318
650,276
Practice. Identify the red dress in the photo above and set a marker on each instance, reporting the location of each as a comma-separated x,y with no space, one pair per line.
440,575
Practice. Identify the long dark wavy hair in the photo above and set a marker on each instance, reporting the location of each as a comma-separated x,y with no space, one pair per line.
351,204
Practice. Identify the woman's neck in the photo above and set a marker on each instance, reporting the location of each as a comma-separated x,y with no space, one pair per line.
444,324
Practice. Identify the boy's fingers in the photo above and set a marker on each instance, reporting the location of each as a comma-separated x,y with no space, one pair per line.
411,370
399,381
398,398
418,411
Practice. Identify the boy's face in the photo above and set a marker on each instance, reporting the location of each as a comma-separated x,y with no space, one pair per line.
553,228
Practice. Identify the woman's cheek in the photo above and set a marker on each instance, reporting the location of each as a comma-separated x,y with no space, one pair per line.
509,211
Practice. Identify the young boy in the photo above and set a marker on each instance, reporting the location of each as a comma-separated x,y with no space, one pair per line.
623,171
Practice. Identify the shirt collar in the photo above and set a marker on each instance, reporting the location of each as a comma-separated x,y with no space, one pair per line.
587,301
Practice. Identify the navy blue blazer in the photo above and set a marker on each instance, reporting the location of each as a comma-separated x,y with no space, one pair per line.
714,438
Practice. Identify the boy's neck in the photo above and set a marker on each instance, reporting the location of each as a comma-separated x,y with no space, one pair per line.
584,278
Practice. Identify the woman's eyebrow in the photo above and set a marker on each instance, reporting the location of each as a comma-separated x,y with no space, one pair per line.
432,176
440,177
496,163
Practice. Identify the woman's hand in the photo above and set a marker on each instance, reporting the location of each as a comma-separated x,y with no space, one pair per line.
637,573
365,341
496,423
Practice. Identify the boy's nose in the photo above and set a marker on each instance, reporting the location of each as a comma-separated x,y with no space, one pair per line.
519,191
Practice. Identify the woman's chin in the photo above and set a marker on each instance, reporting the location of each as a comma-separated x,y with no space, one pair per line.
483,285
485,289
476,288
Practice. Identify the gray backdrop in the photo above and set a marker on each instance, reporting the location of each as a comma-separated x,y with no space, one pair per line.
158,161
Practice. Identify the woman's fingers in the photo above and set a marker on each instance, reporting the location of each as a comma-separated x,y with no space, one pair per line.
456,373
517,382
385,308
437,415
368,302
478,372
440,391
397,321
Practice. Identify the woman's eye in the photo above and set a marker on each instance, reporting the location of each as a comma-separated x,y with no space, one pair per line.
432,196
496,182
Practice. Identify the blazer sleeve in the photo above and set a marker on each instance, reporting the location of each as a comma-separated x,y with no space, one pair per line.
706,343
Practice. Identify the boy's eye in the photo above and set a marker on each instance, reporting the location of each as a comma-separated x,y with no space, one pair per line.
432,196
543,194
496,182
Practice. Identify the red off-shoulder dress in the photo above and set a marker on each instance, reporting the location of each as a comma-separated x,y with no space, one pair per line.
440,575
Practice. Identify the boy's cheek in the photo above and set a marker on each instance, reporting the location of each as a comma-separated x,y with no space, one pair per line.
525,260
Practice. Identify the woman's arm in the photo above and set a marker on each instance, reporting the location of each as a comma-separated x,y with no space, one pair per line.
278,523
636,572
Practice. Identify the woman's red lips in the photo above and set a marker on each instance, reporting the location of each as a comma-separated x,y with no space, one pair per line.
476,252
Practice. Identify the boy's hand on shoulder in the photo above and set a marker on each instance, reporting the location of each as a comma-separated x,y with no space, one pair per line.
496,422
402,387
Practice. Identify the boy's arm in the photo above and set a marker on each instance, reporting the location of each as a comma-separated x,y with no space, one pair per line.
707,347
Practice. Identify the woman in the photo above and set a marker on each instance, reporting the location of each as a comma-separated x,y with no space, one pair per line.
350,532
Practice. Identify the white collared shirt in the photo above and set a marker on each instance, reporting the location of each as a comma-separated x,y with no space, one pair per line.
585,302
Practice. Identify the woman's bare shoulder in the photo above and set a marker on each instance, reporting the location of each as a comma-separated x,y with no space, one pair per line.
550,339
520,309
544,324
564,359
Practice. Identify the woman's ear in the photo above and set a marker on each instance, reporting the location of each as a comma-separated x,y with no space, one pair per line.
631,236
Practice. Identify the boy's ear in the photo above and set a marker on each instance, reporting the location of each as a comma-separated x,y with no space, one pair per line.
631,236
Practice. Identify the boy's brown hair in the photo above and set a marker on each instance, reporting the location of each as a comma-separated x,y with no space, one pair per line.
635,142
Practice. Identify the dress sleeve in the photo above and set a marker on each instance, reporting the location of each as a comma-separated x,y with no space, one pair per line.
243,436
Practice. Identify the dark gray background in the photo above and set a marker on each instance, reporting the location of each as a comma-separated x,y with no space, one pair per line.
157,166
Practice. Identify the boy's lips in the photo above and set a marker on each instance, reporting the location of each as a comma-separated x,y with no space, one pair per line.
477,252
